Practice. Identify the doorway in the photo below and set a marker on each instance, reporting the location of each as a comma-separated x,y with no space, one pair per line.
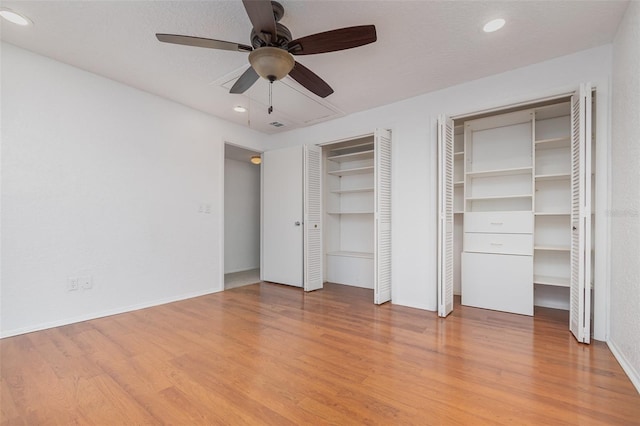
241,216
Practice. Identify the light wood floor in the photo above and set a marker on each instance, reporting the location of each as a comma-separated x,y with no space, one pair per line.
270,354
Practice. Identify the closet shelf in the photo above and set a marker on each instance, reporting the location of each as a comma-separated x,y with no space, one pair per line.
457,154
349,172
552,213
351,191
548,280
552,248
458,183
363,255
354,156
553,143
362,212
501,172
364,146
498,197
554,176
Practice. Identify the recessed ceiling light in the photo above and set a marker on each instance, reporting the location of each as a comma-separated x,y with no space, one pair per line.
15,17
239,108
493,25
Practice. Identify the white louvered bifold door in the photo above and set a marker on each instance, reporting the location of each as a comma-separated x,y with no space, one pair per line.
312,218
580,303
382,231
445,216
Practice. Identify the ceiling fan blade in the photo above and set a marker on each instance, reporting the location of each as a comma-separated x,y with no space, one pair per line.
245,81
334,40
261,16
203,42
310,80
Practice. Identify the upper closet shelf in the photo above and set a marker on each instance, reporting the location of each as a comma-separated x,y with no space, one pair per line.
501,172
360,212
354,156
351,191
498,197
364,255
554,176
355,171
553,143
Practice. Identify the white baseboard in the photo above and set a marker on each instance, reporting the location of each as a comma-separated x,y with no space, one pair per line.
109,312
633,375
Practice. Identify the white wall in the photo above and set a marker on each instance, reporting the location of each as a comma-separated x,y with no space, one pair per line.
625,205
413,122
241,216
103,180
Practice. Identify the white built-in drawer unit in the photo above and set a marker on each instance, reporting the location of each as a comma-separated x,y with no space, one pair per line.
520,244
497,281
499,222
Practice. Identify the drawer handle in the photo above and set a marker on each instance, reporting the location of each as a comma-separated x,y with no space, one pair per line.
497,223
496,244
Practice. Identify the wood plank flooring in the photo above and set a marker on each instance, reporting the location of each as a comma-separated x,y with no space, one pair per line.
271,355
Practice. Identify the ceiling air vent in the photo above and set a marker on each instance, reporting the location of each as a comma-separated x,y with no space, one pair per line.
276,124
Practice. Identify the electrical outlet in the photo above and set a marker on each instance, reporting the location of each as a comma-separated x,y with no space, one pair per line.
86,282
73,284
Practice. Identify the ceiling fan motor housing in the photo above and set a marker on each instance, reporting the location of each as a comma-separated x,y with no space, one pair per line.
283,37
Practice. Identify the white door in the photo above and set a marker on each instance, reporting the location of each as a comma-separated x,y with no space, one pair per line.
312,218
382,232
445,216
282,216
580,302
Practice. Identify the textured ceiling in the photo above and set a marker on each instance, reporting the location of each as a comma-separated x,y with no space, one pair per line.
422,46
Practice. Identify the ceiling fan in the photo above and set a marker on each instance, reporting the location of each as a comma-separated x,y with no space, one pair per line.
272,47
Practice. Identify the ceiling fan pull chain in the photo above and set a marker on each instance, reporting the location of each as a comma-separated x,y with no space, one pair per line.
270,110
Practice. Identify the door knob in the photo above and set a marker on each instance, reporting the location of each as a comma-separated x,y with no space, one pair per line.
297,223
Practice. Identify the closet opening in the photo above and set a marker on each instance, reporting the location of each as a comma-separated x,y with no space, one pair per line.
357,213
242,180
516,222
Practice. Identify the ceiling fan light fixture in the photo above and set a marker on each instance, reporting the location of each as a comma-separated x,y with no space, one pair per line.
493,25
271,63
256,159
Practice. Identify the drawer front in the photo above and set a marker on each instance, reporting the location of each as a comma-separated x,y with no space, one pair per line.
496,281
498,243
499,222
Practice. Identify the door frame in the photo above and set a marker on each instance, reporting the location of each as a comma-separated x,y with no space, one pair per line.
221,199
